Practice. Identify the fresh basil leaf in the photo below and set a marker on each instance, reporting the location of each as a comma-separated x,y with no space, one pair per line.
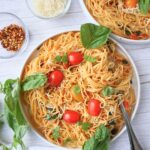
49,117
89,144
101,133
99,141
34,81
144,6
76,89
63,59
85,125
56,133
12,112
107,91
89,58
94,36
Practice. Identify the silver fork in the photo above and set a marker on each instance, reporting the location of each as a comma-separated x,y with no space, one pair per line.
134,143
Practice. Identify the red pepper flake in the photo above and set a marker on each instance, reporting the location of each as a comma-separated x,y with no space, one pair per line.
12,37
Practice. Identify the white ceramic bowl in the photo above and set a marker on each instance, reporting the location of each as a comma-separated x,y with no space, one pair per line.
118,38
30,5
135,80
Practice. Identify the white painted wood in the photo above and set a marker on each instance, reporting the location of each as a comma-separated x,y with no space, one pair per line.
42,29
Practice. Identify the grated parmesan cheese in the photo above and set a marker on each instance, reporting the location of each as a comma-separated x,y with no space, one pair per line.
49,8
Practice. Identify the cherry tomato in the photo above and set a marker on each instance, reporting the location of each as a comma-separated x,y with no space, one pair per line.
71,116
55,78
75,58
134,36
126,104
94,107
143,36
131,3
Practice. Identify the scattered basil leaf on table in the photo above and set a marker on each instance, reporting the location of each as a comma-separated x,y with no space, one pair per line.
108,90
94,36
34,81
63,59
12,112
76,89
89,58
56,133
99,141
144,6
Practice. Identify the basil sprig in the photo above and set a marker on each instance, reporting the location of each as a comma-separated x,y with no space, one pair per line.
34,81
99,141
12,112
144,6
94,36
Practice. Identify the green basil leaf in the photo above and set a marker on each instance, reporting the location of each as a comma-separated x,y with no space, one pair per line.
12,112
89,58
56,133
144,6
76,89
94,36
99,141
63,59
85,126
34,81
1,88
49,117
107,91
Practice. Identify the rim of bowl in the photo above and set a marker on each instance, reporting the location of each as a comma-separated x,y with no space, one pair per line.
115,36
123,51
26,41
50,18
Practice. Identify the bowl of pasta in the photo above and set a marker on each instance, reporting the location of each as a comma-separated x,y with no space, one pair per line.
128,20
77,85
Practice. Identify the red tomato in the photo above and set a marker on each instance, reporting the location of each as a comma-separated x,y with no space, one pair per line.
134,36
94,108
55,78
75,58
143,36
126,104
131,3
71,116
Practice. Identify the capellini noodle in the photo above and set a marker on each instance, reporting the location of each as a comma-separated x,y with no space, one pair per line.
114,15
90,77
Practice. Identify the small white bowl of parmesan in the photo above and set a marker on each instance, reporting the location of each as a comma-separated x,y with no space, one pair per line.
49,9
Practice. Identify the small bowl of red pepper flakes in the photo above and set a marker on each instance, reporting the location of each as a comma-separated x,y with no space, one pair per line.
14,36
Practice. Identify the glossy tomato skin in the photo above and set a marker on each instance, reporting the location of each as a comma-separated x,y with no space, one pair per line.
75,58
71,116
55,78
94,108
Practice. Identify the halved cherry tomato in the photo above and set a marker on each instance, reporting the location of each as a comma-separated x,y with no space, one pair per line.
75,58
94,107
55,78
71,116
130,3
133,36
126,104
143,36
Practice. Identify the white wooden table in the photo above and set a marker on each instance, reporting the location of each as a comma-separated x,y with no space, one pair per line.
42,29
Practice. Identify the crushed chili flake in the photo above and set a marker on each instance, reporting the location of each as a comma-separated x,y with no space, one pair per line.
12,37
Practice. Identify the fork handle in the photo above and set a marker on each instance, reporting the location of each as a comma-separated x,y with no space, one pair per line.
134,143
